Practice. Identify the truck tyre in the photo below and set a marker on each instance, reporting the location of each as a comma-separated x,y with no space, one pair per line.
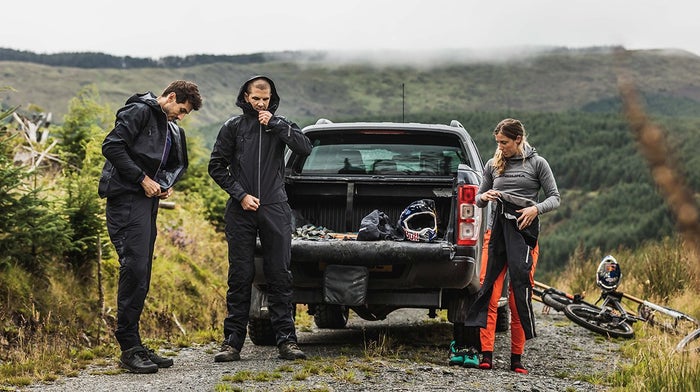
260,331
331,316
503,318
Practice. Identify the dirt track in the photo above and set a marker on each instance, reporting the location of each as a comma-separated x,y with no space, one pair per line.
406,352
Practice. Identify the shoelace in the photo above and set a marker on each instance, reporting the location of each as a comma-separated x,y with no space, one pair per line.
143,354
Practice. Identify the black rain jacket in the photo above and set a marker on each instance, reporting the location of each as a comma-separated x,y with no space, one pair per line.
248,158
136,145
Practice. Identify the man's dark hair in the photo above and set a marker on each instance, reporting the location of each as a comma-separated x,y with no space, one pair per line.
185,92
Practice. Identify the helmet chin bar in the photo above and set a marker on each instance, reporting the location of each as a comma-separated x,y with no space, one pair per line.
419,221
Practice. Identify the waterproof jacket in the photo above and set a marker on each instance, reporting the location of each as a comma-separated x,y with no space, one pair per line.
248,157
135,148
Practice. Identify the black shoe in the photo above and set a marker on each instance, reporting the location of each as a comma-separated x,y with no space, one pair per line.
227,354
136,360
290,350
161,362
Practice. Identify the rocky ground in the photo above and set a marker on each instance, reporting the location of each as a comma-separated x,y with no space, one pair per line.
406,352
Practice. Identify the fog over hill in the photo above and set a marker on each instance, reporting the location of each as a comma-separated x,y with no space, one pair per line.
392,85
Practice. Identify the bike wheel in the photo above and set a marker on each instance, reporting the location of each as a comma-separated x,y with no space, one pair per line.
555,301
690,343
595,319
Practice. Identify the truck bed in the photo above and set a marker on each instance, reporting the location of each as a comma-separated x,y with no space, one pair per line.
340,204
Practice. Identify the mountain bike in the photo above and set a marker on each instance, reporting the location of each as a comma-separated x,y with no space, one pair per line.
612,319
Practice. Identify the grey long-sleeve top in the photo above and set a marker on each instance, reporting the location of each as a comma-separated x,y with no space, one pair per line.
524,176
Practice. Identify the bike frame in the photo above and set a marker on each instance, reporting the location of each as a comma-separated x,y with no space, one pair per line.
674,314
613,300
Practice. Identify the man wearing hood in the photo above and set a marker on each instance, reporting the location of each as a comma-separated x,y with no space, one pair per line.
247,161
146,154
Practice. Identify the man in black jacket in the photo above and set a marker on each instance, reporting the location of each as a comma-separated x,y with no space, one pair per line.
247,161
146,154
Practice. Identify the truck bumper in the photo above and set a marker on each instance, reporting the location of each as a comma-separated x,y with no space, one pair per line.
401,273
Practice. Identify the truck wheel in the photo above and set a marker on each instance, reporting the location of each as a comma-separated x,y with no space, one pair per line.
260,332
331,316
503,319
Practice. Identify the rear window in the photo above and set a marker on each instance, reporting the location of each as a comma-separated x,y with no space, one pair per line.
381,154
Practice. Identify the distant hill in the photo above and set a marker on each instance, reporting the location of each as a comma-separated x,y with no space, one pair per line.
568,100
392,86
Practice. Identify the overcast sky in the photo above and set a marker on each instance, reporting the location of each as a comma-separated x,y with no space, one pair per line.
150,28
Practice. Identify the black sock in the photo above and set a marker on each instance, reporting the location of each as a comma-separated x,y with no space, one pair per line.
472,338
486,360
458,332
516,363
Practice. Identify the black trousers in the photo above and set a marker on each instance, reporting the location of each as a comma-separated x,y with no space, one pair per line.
272,223
131,223
507,249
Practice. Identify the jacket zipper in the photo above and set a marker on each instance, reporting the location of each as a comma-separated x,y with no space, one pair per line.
259,161
165,145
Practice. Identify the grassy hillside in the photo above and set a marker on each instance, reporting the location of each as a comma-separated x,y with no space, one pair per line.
548,82
567,99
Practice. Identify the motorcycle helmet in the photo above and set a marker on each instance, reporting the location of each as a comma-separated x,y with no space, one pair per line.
609,274
418,221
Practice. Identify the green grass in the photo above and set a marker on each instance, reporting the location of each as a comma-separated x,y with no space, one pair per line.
649,361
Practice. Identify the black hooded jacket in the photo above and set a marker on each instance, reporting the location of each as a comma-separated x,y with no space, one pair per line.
135,148
248,157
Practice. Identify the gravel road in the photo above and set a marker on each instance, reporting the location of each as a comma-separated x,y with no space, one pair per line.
406,352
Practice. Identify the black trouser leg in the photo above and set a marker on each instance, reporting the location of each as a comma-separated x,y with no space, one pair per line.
241,231
497,261
519,267
275,237
131,223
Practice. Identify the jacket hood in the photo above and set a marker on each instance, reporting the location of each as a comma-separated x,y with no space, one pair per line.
247,107
147,98
529,153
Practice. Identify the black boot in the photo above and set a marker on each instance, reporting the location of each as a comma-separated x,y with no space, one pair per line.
136,360
161,362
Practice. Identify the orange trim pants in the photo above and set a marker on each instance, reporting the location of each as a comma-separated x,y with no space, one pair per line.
488,334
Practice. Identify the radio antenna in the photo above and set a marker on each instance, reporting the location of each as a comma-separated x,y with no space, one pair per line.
403,102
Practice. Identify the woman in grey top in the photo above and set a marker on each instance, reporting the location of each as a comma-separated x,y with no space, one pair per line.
512,179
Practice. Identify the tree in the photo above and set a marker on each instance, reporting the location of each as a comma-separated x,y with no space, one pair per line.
82,133
85,119
32,232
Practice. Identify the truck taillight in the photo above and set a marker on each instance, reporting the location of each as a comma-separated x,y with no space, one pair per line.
468,217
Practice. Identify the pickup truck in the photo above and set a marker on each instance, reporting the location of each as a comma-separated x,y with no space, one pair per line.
353,169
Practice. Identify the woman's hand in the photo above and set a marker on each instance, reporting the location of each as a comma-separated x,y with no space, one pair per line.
490,195
527,215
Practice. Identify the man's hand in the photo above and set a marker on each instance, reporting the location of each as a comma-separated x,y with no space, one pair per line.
164,195
150,187
250,203
264,117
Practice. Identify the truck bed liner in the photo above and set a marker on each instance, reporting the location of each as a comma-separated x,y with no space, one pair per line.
369,253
